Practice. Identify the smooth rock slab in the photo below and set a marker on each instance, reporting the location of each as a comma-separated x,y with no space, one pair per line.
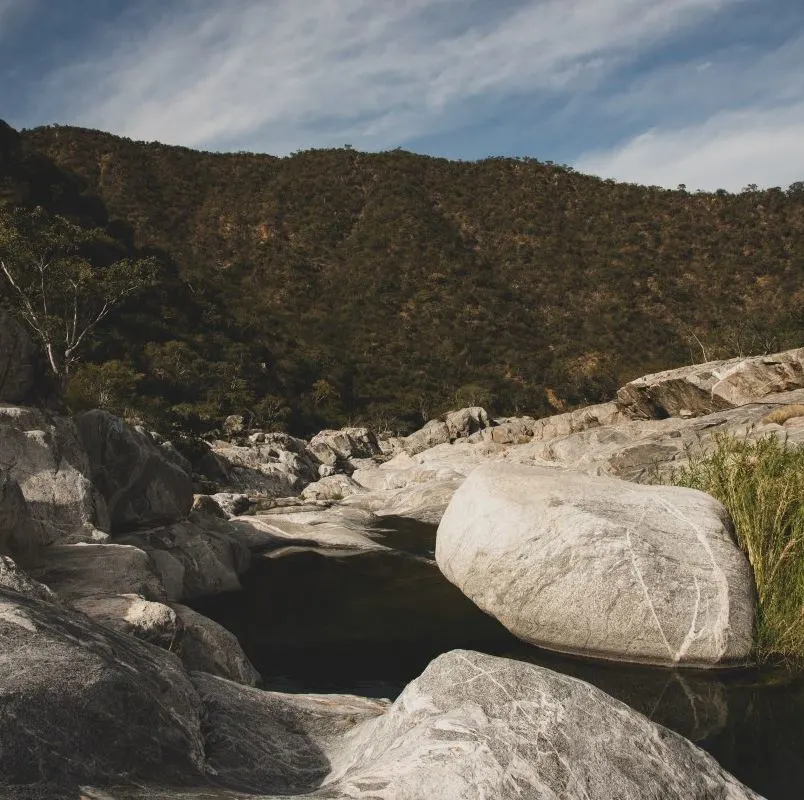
472,726
205,646
81,702
600,567
80,570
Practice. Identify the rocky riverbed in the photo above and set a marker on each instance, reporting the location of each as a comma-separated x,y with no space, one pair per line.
125,674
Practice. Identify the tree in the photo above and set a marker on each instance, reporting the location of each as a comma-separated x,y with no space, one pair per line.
64,280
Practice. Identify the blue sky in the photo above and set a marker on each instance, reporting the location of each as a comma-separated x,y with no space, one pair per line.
709,93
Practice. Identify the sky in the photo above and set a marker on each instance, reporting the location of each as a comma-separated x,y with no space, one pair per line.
706,93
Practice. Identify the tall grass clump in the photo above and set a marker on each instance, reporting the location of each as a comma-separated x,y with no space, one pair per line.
761,483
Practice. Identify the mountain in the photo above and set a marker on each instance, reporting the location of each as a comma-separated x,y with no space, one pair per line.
333,286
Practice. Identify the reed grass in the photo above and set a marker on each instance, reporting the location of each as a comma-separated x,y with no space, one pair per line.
761,483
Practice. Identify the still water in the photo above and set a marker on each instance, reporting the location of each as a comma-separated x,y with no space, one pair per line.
368,623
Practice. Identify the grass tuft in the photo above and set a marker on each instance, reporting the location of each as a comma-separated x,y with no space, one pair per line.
761,483
781,415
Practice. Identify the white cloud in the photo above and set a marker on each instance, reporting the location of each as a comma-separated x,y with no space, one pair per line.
373,72
728,151
738,121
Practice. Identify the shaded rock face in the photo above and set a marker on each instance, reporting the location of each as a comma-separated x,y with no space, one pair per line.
199,556
83,703
20,535
43,454
206,646
208,505
14,578
471,726
716,385
600,567
78,570
18,361
331,447
272,742
141,486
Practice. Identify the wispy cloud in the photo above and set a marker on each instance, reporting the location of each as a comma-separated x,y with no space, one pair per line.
288,74
8,11
728,151
724,123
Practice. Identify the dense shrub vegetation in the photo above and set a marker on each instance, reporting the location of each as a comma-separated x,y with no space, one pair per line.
335,286
761,483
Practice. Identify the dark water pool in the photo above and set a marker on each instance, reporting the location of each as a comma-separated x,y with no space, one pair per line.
367,624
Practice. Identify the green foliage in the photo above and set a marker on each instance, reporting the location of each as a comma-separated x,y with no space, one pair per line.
356,286
761,483
474,394
111,386
63,279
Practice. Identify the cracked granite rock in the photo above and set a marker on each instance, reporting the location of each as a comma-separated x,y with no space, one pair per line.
472,726
142,486
713,386
82,702
600,567
43,454
205,646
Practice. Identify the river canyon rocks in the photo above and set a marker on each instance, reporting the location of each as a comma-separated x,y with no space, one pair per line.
600,567
140,484
109,680
701,389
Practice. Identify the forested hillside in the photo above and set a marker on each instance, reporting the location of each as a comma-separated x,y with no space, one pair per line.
334,286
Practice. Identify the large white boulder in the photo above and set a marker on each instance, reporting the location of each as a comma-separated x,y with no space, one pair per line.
600,567
471,726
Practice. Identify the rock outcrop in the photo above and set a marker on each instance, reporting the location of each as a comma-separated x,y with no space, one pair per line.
454,425
84,703
600,567
331,447
205,646
471,726
271,464
142,487
199,556
79,570
41,451
713,386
